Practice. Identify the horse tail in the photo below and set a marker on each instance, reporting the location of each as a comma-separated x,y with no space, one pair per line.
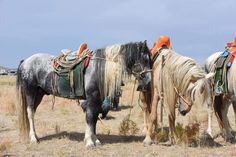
23,120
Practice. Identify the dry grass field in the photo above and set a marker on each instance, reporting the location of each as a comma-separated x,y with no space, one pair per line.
61,131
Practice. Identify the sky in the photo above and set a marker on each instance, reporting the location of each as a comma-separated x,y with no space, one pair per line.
197,28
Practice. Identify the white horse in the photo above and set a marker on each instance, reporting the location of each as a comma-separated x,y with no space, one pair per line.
179,78
222,102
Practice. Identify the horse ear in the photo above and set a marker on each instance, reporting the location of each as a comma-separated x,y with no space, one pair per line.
145,43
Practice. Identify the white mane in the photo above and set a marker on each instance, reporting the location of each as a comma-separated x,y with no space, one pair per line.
180,70
114,69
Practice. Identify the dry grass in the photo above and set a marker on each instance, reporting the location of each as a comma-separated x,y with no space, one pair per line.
187,135
5,145
7,80
7,94
61,131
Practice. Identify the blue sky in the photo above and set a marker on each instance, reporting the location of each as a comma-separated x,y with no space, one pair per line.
197,28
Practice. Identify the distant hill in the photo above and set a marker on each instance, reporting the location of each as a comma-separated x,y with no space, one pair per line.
4,68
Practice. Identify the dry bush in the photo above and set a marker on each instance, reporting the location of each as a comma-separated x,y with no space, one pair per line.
128,127
161,136
188,135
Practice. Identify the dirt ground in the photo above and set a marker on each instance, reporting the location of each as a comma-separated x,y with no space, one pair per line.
61,131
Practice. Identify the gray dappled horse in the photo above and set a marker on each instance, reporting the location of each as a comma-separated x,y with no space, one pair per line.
103,74
223,101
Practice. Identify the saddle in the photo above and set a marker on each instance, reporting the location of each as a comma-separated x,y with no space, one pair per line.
68,76
222,65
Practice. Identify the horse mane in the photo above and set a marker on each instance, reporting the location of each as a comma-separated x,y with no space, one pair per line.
180,71
114,69
117,62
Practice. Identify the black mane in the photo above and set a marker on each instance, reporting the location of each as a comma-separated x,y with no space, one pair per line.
136,51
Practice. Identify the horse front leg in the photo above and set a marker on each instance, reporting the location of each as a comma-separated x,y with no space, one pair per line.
146,110
209,126
171,117
90,138
152,119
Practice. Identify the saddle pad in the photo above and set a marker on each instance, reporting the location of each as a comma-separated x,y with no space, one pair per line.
220,62
71,84
220,79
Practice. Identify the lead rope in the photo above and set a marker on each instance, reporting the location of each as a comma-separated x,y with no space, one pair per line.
132,98
105,126
128,116
162,92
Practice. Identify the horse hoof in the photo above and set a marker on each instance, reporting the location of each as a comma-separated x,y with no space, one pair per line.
231,140
206,140
167,143
90,145
34,140
98,143
147,141
147,144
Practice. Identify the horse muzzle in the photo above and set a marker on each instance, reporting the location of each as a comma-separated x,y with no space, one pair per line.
144,84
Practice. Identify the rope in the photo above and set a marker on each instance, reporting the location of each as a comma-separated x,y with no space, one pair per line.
162,92
128,116
131,103
62,65
189,104
106,127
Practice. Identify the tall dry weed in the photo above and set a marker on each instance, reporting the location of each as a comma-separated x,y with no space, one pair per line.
128,127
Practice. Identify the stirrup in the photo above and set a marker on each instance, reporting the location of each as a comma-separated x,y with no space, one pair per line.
218,89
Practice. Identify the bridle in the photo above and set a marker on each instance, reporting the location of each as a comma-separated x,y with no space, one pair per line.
139,75
189,104
142,72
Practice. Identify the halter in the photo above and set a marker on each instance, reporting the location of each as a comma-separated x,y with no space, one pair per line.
139,75
189,104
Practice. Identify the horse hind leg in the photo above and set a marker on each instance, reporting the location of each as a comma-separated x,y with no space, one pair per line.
210,114
33,100
172,130
227,128
234,108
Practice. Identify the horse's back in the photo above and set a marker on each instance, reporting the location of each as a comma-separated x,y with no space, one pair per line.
210,61
36,66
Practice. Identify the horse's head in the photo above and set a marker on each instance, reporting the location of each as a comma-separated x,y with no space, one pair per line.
198,93
138,63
